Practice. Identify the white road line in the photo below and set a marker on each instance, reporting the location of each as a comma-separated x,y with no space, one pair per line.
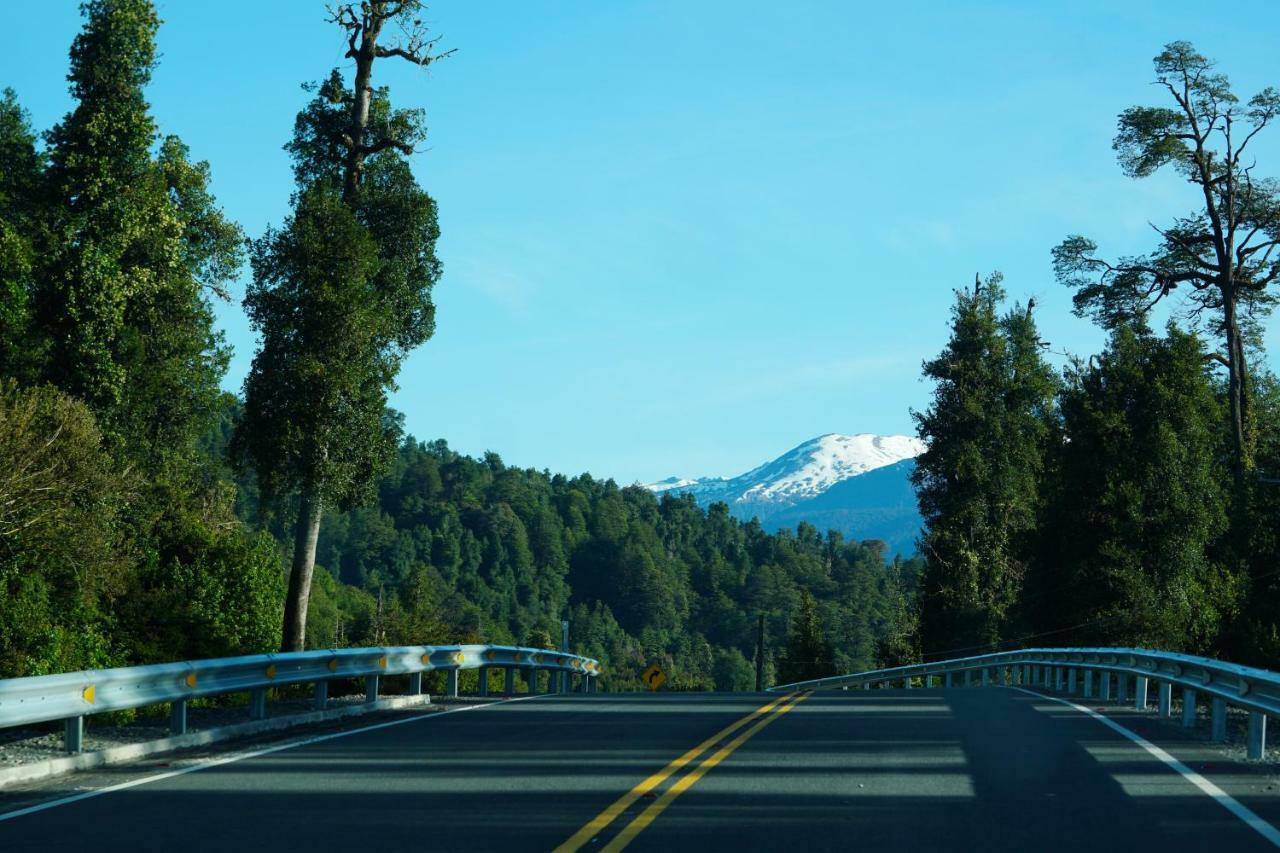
1224,799
241,756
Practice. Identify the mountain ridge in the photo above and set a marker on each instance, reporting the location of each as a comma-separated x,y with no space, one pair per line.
858,484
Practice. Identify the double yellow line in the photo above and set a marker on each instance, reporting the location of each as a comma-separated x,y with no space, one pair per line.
761,716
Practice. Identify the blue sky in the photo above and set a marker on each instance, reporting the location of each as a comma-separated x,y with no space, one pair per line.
683,237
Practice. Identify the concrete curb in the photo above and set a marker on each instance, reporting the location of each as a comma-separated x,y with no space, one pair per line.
51,767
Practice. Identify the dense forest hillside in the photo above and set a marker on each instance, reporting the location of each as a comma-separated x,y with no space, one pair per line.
462,549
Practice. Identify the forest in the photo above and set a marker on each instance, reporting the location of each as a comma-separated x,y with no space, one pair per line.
146,514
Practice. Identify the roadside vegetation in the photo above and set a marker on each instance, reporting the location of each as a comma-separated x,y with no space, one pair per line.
147,515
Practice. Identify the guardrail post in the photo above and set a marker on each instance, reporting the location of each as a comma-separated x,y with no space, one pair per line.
986,677
1059,678
415,684
258,703
1104,687
1071,681
1188,708
1218,720
531,679
1088,684
509,687
371,685
320,695
73,734
968,678
1164,699
946,679
484,681
906,683
178,717
451,686
1122,687
1140,692
1257,735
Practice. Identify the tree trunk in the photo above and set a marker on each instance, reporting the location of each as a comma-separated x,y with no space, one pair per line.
1237,389
363,92
306,532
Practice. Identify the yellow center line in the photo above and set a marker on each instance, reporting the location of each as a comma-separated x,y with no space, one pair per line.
606,817
684,783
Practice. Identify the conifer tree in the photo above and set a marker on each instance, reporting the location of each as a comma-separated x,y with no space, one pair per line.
808,654
977,483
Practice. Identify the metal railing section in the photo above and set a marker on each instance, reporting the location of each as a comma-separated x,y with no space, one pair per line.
1075,671
71,696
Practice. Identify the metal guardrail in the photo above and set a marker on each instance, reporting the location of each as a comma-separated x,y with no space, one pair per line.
1074,671
71,696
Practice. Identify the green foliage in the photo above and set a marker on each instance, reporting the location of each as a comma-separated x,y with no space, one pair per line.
808,654
63,561
978,482
315,395
136,238
22,229
486,553
1139,501
116,524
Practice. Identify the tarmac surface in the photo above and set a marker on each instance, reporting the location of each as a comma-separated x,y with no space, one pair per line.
997,769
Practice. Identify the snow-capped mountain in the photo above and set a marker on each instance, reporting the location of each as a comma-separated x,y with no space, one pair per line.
822,482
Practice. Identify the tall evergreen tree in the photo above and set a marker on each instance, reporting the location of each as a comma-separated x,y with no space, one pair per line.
977,483
341,293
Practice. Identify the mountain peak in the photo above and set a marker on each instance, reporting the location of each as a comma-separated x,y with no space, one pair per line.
805,471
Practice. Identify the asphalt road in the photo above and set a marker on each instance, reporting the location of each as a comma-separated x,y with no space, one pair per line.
975,769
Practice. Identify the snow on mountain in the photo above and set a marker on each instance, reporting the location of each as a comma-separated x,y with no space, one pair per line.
858,484
802,473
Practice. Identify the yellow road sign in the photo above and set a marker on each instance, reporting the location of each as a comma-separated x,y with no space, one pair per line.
653,677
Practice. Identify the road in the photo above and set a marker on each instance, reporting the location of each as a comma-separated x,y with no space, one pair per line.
955,770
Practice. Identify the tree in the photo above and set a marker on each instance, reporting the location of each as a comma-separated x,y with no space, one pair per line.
1138,505
137,240
63,554
341,294
1223,252
22,217
808,654
977,483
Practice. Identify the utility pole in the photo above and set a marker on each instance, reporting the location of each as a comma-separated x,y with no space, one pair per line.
760,654
564,647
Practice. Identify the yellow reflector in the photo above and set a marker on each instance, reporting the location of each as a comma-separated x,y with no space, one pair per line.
426,658
271,670
191,679
333,664
457,657
382,662
90,693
